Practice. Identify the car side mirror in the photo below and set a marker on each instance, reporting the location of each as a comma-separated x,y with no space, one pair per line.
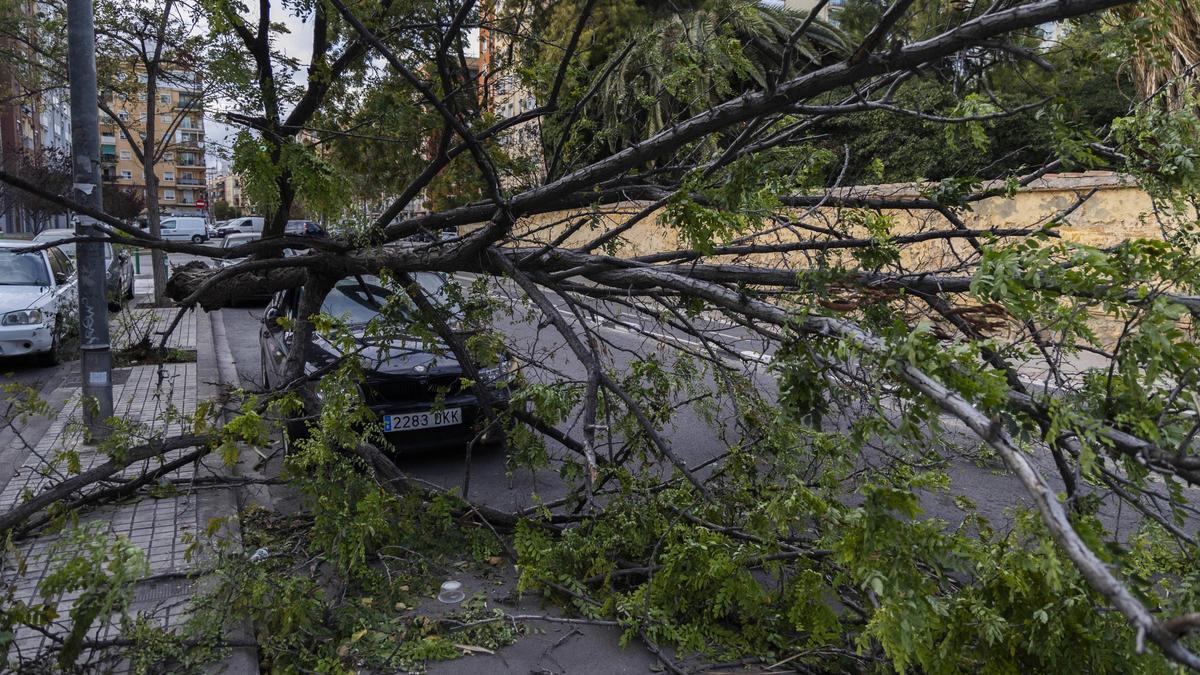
61,278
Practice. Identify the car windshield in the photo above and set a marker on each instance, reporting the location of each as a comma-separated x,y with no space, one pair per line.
23,269
230,242
357,302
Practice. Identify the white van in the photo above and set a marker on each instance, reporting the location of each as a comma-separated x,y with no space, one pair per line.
176,228
243,225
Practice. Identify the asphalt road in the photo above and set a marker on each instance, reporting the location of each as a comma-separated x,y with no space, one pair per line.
29,371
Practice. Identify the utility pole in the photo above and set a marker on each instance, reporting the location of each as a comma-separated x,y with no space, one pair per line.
95,354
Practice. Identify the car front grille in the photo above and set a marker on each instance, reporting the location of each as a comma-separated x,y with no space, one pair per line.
411,388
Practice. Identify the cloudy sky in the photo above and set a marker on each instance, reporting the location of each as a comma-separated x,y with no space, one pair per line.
296,43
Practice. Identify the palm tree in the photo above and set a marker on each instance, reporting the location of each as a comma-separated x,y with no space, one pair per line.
1167,59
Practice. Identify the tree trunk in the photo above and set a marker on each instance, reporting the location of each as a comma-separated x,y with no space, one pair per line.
157,257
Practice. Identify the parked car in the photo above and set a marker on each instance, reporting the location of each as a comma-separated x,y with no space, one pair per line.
238,239
117,261
38,301
182,228
243,224
303,228
417,394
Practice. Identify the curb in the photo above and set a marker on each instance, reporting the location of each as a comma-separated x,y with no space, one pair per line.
216,370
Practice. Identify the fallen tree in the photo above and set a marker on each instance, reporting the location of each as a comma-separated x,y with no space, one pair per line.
884,360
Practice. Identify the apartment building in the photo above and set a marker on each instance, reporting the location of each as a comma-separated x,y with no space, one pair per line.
227,187
181,168
33,118
506,96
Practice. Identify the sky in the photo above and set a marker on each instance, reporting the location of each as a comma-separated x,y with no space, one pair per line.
296,43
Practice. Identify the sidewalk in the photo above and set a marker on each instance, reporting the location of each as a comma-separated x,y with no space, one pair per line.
155,524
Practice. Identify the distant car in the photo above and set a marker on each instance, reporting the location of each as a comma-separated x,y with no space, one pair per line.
232,240
243,224
303,228
418,395
38,301
117,262
184,228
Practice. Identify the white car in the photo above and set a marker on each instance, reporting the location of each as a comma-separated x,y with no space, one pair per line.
38,301
237,239
184,228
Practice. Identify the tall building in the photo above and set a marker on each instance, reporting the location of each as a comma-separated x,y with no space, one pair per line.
227,187
181,169
34,118
506,96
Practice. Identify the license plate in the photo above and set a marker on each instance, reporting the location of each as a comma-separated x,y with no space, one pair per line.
422,420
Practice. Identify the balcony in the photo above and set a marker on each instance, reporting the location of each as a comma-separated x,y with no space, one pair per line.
190,181
108,158
189,161
189,102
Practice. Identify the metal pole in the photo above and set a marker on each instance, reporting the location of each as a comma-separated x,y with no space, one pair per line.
95,356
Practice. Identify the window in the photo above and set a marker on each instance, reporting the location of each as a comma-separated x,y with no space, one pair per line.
126,175
60,264
169,176
123,115
187,196
169,195
168,157
125,154
165,119
164,98
168,224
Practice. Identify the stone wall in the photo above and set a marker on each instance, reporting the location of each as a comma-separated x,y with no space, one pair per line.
1117,210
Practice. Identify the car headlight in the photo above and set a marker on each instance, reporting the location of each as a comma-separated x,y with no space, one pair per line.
498,374
24,317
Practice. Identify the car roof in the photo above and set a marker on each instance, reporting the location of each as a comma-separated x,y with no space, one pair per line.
244,235
59,233
13,243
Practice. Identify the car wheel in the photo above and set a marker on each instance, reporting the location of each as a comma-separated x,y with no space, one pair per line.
197,239
129,289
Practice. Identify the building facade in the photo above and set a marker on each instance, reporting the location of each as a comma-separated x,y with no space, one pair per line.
34,119
227,187
181,168
506,96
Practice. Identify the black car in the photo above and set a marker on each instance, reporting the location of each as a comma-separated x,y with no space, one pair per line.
417,394
303,228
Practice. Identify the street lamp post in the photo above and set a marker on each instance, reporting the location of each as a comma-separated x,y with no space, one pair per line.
95,353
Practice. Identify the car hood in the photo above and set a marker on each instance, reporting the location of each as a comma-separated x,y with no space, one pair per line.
13,298
395,357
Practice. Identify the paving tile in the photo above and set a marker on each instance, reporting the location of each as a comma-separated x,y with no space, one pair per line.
158,526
